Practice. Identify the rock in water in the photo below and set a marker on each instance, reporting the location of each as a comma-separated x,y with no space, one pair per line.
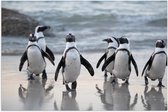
16,24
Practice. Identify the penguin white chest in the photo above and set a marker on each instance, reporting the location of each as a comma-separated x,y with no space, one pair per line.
110,67
36,61
42,44
121,65
158,67
72,66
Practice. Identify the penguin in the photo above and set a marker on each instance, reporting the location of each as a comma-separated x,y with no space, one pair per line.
35,59
41,40
112,46
155,66
71,63
122,61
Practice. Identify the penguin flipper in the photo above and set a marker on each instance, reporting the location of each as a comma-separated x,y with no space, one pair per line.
166,59
60,64
100,60
135,65
22,60
47,56
107,62
50,53
87,65
149,62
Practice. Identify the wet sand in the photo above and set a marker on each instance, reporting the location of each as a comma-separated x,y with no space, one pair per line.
93,93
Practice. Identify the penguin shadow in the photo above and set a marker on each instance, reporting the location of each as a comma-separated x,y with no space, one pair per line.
153,99
35,94
69,102
116,96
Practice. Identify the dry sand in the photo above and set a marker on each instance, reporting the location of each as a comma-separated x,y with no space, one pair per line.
38,95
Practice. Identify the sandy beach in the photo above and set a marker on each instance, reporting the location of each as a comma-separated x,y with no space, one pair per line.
20,94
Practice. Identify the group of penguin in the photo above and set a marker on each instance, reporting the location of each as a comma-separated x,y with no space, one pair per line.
117,60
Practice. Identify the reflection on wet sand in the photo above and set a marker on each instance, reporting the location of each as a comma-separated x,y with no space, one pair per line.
69,101
115,96
35,94
154,100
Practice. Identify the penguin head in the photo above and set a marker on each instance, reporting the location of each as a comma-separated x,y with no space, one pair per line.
123,40
32,38
70,38
160,44
108,40
41,28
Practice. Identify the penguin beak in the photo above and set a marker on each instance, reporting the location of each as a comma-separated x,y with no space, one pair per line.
43,28
46,27
107,40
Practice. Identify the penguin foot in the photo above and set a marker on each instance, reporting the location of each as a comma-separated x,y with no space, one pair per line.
126,82
74,84
67,87
105,75
160,85
146,83
44,75
31,78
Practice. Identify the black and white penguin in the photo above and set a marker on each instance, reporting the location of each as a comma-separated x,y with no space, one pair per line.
35,58
41,40
155,66
71,63
122,61
112,46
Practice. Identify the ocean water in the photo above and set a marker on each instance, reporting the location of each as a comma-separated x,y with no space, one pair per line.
142,22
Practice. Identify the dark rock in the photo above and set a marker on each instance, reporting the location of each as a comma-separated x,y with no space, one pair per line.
17,24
